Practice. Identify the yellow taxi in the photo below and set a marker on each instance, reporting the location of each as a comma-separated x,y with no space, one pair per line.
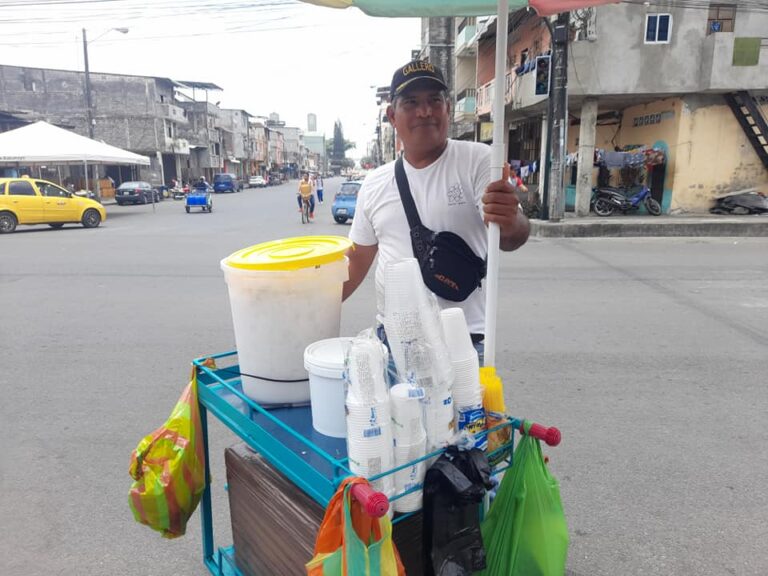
28,200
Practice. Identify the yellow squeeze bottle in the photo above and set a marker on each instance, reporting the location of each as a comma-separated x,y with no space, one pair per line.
495,411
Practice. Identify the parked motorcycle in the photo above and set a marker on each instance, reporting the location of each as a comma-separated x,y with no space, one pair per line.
607,200
749,202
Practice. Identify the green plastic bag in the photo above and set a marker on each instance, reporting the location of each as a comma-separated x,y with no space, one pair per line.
525,533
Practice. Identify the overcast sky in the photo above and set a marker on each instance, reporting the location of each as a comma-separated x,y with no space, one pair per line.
269,56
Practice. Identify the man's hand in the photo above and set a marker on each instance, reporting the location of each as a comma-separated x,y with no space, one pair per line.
501,205
360,260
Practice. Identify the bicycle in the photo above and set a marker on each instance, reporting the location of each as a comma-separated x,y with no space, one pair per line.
305,209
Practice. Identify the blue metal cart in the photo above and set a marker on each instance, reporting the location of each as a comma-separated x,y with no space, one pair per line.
199,198
285,438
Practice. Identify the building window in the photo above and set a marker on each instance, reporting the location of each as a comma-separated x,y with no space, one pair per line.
721,17
658,28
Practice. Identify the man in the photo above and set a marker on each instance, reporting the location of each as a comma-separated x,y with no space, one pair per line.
305,192
319,187
449,181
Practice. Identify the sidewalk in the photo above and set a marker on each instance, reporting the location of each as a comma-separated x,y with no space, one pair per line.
664,225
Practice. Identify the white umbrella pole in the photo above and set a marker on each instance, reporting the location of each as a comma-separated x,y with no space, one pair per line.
497,165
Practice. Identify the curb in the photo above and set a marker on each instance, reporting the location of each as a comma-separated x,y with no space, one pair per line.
746,226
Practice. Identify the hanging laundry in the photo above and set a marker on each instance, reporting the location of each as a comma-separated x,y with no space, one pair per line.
614,159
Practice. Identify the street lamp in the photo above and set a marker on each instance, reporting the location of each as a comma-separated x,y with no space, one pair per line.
88,104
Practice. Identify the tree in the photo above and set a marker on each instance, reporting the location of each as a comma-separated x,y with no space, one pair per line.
338,146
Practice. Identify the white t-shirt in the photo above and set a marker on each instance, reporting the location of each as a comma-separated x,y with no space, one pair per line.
448,196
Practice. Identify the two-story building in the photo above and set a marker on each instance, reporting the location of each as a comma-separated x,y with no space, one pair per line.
687,82
236,133
142,114
260,148
292,161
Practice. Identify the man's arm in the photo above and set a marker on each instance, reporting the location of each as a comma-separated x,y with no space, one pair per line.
500,205
360,260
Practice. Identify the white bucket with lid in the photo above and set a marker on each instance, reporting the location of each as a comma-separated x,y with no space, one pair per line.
324,361
284,295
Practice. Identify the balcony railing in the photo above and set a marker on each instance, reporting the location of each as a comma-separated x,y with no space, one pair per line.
485,98
464,46
171,112
176,145
464,108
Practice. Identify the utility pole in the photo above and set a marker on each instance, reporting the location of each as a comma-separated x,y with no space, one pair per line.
88,109
559,118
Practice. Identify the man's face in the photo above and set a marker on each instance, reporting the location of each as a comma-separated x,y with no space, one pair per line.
420,116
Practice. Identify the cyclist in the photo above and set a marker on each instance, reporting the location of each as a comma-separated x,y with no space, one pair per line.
305,194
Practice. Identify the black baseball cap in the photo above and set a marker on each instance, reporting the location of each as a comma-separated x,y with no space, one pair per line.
415,70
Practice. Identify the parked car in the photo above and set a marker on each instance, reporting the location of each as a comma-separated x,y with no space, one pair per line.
227,183
28,201
344,202
136,193
256,182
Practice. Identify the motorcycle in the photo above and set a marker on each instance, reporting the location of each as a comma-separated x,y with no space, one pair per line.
606,200
178,193
749,202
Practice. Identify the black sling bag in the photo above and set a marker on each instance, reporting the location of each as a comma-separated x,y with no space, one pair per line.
448,265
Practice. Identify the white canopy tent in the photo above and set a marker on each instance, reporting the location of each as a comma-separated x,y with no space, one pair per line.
44,143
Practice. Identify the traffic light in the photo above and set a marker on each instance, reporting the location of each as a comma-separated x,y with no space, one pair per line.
542,75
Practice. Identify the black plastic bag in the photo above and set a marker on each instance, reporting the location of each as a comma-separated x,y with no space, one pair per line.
454,487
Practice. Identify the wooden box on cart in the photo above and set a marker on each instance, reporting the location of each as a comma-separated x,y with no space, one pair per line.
274,523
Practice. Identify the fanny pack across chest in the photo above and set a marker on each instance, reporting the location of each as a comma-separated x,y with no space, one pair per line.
449,267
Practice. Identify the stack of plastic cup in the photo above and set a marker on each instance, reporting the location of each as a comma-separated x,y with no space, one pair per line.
366,368
369,421
439,417
409,477
410,441
369,438
467,392
407,414
412,315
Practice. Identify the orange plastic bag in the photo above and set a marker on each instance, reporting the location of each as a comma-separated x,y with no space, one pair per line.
351,543
168,469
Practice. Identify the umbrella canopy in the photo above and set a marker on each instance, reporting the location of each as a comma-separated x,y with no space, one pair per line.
42,142
426,8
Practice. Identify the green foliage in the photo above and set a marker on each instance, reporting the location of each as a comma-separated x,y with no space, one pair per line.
337,146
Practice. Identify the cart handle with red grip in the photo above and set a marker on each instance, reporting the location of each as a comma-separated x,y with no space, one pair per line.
376,504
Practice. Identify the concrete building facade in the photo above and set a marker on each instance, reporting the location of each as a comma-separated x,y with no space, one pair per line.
641,77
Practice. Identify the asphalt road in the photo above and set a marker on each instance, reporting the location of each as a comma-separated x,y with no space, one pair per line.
649,354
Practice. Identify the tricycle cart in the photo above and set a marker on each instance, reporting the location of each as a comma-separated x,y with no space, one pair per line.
199,198
284,437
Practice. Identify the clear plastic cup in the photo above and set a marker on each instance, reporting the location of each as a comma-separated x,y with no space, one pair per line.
456,333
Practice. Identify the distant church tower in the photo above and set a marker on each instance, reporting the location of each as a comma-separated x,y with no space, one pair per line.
311,123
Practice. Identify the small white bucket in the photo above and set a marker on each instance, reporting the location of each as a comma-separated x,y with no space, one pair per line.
324,360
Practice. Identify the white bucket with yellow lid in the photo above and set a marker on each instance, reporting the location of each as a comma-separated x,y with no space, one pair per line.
284,295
